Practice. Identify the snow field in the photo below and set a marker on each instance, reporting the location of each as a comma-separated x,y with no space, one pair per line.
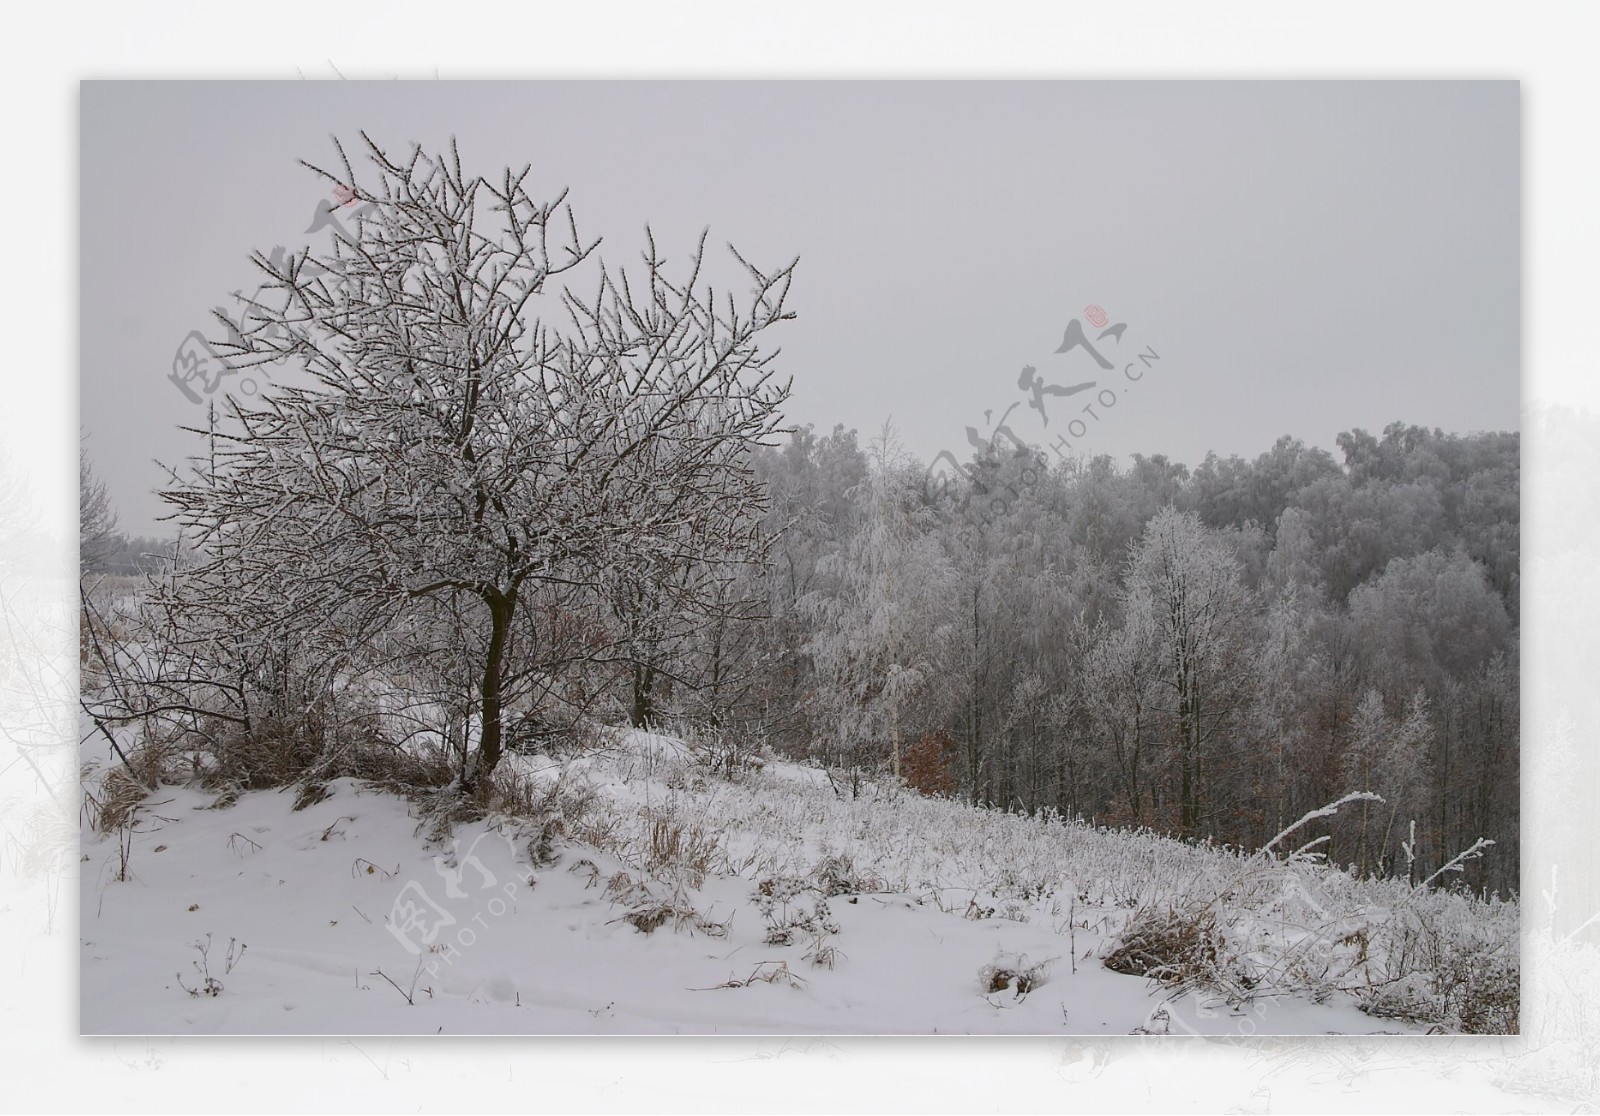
649,896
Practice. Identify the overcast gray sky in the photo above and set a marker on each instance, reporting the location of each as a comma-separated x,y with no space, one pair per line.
1304,256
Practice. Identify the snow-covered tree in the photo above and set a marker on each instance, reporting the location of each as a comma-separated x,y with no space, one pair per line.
97,522
471,436
1186,579
1388,756
879,629
1116,681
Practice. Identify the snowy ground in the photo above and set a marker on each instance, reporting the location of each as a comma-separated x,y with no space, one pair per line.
340,919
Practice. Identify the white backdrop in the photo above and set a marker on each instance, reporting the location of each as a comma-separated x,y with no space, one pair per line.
48,1068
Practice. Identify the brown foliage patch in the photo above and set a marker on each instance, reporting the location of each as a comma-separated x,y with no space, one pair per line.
929,764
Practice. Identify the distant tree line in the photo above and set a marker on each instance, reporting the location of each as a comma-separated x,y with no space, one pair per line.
1210,652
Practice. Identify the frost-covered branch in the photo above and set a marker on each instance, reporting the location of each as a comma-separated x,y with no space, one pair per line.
1321,812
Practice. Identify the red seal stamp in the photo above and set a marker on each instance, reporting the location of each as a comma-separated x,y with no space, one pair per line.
1097,316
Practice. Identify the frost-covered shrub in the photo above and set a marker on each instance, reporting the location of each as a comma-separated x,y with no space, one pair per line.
722,752
1448,959
792,908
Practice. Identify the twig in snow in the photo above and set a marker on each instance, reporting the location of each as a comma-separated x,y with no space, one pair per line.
411,995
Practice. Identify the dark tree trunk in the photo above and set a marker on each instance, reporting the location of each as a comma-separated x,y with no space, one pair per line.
502,607
644,684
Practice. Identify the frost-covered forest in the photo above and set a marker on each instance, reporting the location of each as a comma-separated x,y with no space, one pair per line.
530,521
1209,651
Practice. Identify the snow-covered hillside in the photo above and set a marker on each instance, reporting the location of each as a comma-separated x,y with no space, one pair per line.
644,892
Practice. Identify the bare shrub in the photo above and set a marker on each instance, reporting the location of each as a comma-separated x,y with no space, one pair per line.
404,770
787,917
1177,947
725,753
1487,996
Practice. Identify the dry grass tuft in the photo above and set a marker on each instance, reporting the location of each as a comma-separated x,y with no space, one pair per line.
119,795
838,875
653,916
1012,972
678,851
1178,948
767,972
